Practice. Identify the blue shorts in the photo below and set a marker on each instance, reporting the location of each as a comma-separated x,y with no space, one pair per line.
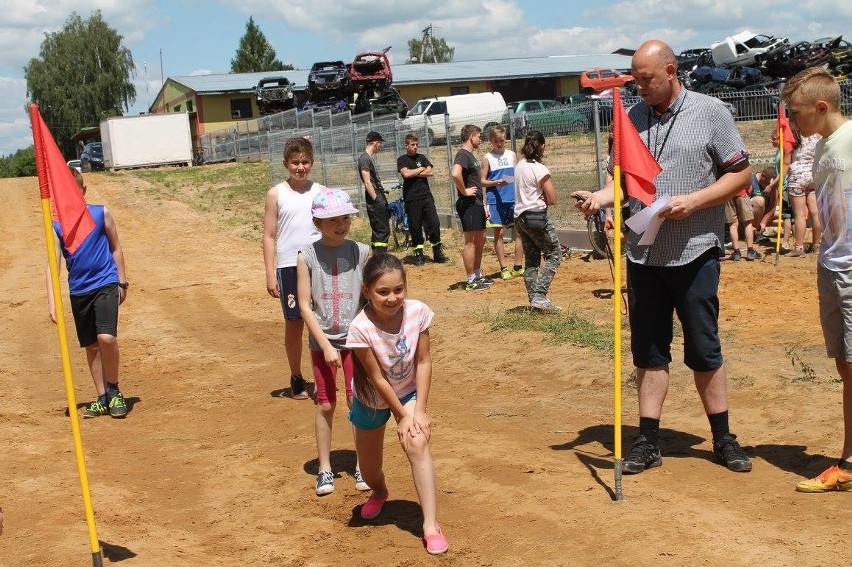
502,215
287,290
656,293
365,417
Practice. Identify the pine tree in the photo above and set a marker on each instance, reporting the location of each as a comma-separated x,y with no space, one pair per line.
82,75
255,53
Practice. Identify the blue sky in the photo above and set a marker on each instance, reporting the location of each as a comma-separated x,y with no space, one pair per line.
202,37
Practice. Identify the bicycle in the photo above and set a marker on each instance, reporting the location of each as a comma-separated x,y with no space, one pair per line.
400,234
596,227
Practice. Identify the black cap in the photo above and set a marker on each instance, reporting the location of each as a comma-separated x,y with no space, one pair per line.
374,137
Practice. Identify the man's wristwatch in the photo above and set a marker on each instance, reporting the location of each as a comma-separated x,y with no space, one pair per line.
123,285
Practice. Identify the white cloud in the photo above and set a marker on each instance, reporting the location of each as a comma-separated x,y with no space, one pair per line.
14,123
200,72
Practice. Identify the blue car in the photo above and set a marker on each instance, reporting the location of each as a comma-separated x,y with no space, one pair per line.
92,158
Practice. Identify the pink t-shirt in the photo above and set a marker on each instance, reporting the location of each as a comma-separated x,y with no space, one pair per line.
395,351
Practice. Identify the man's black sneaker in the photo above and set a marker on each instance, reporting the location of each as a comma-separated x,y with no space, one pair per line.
728,451
643,455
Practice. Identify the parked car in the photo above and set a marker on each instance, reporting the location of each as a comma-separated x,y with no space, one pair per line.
75,163
547,116
92,158
328,77
597,80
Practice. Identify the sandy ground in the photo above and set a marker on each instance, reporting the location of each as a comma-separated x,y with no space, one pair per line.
215,465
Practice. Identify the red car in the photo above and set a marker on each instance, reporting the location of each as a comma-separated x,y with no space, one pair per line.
370,70
597,80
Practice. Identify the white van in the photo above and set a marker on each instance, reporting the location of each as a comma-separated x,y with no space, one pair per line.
481,109
745,48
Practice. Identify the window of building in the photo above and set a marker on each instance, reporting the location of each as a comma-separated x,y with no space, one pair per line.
176,108
189,106
459,90
240,108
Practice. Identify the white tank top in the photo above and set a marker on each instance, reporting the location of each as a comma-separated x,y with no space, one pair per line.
296,229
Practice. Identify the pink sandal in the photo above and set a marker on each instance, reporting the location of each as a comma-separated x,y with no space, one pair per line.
373,506
436,544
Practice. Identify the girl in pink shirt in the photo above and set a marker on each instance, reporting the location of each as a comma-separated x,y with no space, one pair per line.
393,373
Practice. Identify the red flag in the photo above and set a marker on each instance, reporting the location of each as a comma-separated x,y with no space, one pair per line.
784,126
56,182
637,164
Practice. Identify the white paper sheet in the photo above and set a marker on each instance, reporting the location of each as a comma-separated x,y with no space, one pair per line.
646,221
508,178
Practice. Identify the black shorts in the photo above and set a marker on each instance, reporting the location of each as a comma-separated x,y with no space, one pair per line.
96,313
472,215
691,290
287,284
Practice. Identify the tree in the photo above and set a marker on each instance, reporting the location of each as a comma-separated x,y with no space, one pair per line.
437,50
255,53
82,75
19,164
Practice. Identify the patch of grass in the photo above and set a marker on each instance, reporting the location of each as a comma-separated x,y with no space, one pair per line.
562,328
737,382
234,191
804,371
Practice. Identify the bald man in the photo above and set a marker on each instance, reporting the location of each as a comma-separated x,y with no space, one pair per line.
704,163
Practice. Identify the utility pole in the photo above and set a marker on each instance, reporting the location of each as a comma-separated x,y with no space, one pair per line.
427,40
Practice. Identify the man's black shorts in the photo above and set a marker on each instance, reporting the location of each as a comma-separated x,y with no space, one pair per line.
691,290
472,215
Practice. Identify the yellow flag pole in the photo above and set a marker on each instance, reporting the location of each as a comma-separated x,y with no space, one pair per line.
97,558
779,206
616,304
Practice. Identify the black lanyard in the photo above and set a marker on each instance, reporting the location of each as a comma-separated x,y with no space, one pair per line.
657,152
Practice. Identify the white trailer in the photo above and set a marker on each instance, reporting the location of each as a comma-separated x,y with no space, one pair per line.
146,141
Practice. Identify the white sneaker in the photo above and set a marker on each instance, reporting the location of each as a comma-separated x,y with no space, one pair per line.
325,483
359,482
545,305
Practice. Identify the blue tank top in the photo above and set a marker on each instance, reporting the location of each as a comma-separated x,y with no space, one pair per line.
92,266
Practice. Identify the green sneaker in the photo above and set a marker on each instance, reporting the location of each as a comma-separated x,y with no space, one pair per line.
95,409
505,274
518,272
117,407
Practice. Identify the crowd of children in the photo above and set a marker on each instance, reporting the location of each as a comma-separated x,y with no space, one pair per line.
753,213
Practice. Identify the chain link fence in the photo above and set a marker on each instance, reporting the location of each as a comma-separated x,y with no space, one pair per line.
576,134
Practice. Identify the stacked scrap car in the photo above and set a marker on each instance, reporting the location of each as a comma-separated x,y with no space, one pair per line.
371,71
274,94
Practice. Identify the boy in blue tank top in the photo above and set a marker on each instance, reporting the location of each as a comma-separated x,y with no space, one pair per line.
97,286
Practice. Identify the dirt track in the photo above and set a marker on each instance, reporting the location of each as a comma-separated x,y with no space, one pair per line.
214,467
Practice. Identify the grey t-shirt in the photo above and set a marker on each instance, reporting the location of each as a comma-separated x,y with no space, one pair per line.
335,287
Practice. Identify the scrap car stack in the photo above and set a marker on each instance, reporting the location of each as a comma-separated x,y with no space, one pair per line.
364,85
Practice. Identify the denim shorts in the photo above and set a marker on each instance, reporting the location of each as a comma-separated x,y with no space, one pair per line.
692,291
365,417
